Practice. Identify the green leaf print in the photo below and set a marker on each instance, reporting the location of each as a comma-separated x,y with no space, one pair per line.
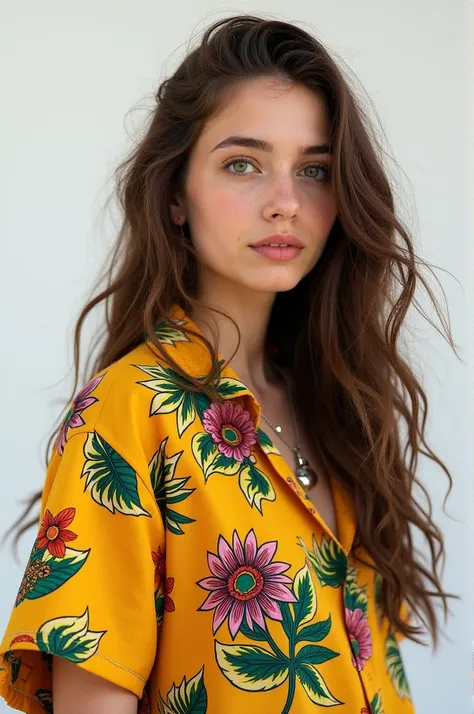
168,489
250,667
268,447
378,584
45,573
204,451
167,333
315,654
315,633
229,387
190,697
258,633
172,395
210,459
315,686
305,593
327,560
395,667
287,622
255,485
45,698
69,637
224,466
14,660
376,704
256,668
355,596
111,480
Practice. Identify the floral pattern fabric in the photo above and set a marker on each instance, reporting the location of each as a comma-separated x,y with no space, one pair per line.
177,557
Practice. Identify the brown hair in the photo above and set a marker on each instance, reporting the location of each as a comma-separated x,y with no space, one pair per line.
355,392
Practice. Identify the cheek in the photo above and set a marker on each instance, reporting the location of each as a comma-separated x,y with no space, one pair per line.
225,204
324,212
219,218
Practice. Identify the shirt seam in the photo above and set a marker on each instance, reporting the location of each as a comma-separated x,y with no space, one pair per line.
94,426
97,654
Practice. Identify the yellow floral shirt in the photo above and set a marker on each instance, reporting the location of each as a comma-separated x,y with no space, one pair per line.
177,557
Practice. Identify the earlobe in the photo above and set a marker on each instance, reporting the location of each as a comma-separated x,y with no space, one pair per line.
177,211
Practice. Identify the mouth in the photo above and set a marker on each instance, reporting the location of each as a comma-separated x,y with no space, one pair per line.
279,240
277,251
273,245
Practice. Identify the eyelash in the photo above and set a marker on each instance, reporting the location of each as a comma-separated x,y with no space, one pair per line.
247,160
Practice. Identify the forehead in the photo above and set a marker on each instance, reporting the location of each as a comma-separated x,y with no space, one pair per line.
282,112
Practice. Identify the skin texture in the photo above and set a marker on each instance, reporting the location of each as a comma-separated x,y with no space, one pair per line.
229,208
76,691
282,192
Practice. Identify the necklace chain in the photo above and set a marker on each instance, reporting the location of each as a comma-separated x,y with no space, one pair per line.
304,473
277,429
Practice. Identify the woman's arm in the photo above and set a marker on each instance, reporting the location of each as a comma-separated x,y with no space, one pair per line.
76,691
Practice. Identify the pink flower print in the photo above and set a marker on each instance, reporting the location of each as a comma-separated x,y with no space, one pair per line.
360,637
245,583
73,418
231,428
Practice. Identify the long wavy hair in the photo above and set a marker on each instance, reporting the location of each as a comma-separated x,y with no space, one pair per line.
358,400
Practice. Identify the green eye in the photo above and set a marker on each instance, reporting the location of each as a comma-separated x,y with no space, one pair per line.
243,160
235,162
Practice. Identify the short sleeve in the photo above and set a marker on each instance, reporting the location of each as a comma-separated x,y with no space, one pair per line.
89,591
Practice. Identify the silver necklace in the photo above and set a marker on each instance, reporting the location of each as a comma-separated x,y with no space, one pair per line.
306,476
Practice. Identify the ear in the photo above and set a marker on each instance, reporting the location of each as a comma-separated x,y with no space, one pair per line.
178,208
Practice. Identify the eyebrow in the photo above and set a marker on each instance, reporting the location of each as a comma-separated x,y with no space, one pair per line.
263,145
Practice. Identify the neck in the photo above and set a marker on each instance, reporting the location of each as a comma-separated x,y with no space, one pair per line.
251,311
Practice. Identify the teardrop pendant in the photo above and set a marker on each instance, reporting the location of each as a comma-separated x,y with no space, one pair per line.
304,473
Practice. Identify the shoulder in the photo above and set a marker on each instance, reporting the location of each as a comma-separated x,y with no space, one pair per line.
116,403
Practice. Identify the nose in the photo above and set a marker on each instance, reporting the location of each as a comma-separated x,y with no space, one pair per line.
283,200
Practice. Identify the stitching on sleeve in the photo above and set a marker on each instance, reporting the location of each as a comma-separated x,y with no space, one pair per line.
121,666
19,632
98,654
25,694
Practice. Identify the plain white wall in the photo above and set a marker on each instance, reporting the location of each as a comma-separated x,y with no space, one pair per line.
71,73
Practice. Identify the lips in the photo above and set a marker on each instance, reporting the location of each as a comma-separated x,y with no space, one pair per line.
279,252
278,240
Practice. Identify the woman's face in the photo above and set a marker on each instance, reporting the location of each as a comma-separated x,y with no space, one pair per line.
236,195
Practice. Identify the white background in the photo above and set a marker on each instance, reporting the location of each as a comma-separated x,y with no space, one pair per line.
78,78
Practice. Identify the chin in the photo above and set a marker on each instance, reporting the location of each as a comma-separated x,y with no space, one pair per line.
277,283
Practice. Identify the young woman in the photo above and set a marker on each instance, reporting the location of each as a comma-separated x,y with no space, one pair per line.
226,521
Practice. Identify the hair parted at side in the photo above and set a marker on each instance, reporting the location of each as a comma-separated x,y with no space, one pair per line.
358,399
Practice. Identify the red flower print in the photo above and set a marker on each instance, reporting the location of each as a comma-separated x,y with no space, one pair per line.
53,533
231,428
22,638
73,418
160,566
169,604
245,583
360,637
364,710
160,570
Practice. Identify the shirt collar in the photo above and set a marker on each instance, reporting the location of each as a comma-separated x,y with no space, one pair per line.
193,357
